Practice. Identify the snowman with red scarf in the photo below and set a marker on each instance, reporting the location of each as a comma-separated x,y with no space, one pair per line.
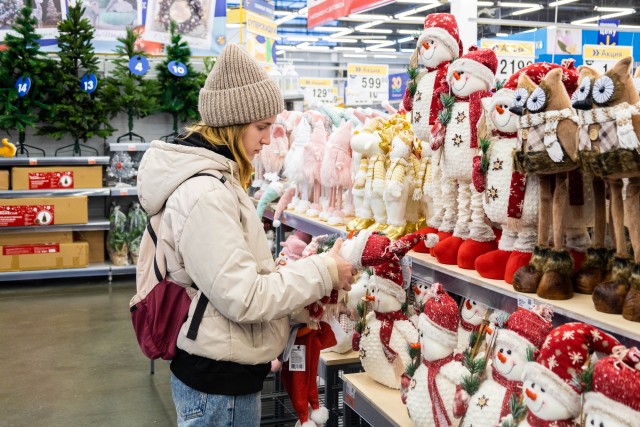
464,232
471,316
437,46
552,384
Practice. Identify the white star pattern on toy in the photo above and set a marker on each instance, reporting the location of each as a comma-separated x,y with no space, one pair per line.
546,343
552,363
575,357
568,335
596,335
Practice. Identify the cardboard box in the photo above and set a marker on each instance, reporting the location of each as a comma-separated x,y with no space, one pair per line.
56,177
36,237
4,180
36,211
44,257
95,238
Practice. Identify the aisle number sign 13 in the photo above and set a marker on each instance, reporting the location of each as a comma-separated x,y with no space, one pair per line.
318,89
512,55
602,57
367,84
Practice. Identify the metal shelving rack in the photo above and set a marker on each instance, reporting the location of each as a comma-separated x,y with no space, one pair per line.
54,161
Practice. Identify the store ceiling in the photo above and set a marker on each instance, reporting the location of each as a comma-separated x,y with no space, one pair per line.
391,28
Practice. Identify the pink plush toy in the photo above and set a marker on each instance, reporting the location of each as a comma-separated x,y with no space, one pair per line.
284,201
336,170
313,155
273,155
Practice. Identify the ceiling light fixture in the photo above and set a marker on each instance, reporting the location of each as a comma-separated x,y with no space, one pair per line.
329,29
613,9
379,46
502,35
409,32
378,31
381,49
484,3
282,13
301,38
518,5
417,1
369,25
353,55
340,40
364,18
349,49
317,48
370,41
607,16
409,20
561,2
523,11
407,50
342,33
301,45
385,56
417,10
406,39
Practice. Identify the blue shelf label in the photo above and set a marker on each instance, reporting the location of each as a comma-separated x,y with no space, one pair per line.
139,65
23,84
178,69
89,83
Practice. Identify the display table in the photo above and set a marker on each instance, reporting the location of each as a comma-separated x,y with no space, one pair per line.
328,369
378,405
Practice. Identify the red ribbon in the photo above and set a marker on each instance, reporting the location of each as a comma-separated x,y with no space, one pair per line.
512,387
538,422
497,132
386,328
475,111
516,194
440,416
466,325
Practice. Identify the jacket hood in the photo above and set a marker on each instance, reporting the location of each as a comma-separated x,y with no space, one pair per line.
167,165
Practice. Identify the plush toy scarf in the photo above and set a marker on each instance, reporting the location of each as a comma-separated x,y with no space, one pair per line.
550,120
620,114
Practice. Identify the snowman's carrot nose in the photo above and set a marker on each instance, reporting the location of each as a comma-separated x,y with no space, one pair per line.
456,75
426,45
502,358
499,109
531,395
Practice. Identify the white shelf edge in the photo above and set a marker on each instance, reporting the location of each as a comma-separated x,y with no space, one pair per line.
54,161
131,147
90,192
123,191
92,224
95,269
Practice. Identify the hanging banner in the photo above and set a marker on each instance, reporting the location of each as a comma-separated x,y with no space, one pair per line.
608,36
261,25
397,86
602,58
512,55
323,11
564,41
318,89
261,48
367,84
260,7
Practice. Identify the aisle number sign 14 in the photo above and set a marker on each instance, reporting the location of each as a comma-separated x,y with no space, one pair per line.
602,58
367,84
319,89
512,55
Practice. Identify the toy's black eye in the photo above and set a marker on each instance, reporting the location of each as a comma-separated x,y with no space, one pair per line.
583,91
520,97
542,389
509,352
592,422
537,100
501,350
603,90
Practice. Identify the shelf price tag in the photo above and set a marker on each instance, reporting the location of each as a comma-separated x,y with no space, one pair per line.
23,84
407,268
138,65
178,69
318,89
512,55
525,302
89,83
33,162
367,84
91,161
349,395
131,147
602,57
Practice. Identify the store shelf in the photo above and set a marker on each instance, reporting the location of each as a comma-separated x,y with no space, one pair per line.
129,146
312,226
96,269
90,192
119,270
123,191
93,224
378,405
53,161
293,98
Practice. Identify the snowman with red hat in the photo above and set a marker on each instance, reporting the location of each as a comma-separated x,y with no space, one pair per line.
614,400
436,47
420,296
455,134
523,332
429,391
471,315
552,385
387,334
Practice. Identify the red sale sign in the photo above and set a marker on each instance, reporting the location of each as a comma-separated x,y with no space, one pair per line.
323,11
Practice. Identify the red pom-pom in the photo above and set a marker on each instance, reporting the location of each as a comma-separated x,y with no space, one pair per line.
477,176
473,48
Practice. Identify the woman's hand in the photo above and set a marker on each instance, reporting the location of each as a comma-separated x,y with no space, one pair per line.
346,271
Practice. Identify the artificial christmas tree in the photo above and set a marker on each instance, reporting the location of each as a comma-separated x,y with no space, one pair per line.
179,94
72,110
20,106
129,92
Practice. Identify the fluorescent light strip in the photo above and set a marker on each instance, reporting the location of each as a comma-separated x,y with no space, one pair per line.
282,13
610,15
330,29
369,41
353,55
342,40
369,25
301,38
349,49
485,3
317,48
303,11
407,50
561,2
523,11
279,52
502,35
364,18
417,10
415,33
287,18
381,49
406,39
409,20
365,37
385,56
342,33
301,45
518,5
613,9
382,45
416,1
377,31
285,47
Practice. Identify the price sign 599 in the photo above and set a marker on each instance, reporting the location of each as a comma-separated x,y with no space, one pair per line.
367,84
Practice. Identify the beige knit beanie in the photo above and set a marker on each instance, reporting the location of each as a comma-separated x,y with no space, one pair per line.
238,91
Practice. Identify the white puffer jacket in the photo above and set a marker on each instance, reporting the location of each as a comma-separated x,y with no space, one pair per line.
214,238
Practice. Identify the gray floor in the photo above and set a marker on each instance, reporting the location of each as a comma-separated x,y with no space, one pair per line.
68,357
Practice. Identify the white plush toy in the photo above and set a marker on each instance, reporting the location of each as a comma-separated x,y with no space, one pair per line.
471,315
294,166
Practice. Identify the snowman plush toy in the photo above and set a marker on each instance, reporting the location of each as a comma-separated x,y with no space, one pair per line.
552,384
523,330
455,134
471,315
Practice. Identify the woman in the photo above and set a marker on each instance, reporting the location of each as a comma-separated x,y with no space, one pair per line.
216,240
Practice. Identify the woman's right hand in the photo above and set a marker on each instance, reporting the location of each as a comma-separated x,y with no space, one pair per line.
346,271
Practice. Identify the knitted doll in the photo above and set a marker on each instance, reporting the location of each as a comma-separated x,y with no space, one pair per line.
294,166
613,400
387,334
548,148
524,332
456,135
437,46
336,171
429,391
609,115
552,384
313,155
511,198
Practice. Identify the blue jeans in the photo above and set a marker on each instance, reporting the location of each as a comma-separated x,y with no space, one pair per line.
197,409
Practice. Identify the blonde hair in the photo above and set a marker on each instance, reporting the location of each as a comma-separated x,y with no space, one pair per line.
231,137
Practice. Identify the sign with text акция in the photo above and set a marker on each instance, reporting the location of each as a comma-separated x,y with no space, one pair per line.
602,58
367,84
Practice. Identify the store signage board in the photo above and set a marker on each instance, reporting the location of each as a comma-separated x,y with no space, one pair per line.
261,25
260,7
608,36
602,58
318,89
512,55
367,84
323,11
397,86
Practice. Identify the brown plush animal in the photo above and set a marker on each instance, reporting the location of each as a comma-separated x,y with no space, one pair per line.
609,116
549,149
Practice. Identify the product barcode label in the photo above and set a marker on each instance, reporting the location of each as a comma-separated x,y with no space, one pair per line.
407,270
349,394
297,358
525,302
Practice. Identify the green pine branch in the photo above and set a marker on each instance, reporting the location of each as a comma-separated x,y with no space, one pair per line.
411,368
484,147
531,354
